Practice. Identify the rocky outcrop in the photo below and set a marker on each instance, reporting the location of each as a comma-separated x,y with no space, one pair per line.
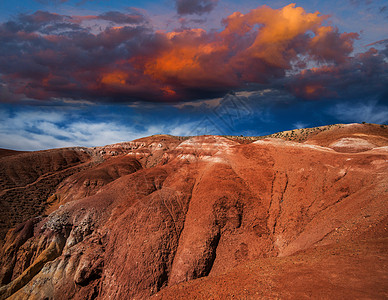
168,210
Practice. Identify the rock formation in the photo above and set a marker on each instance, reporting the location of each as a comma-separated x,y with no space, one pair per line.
292,215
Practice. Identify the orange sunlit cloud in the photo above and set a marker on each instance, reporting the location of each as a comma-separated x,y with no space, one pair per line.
116,78
134,61
252,48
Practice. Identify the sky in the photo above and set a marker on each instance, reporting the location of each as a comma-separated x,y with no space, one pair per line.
97,72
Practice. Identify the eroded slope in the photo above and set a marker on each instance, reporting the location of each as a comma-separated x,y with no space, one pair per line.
167,210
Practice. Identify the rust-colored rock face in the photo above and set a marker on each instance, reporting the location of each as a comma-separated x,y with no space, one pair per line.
294,215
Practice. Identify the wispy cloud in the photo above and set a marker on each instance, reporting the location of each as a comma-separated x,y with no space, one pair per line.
299,125
37,130
370,112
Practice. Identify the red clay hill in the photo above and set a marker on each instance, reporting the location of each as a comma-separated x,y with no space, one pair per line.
294,215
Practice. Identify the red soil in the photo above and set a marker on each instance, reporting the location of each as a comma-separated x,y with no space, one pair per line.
7,152
28,179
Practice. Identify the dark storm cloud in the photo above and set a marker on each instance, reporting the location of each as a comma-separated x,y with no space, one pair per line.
49,56
363,75
199,7
34,22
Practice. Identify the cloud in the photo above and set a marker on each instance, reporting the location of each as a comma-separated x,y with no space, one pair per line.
363,75
371,112
378,43
120,18
199,7
6,95
299,125
358,2
121,58
37,129
32,127
253,48
384,11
